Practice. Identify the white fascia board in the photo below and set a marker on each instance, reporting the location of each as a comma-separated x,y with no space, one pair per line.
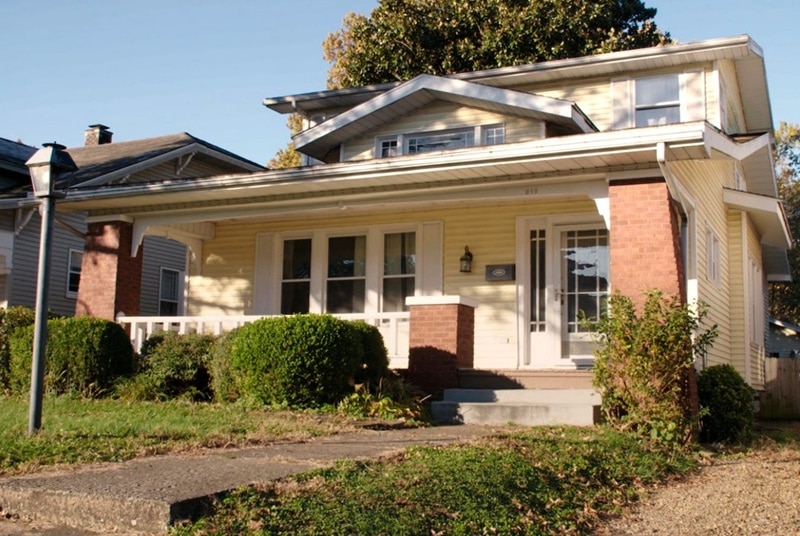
766,212
715,140
350,172
441,88
610,63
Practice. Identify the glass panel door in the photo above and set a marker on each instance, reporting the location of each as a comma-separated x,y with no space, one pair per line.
583,288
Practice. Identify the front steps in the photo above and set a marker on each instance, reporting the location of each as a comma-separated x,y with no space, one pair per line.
526,407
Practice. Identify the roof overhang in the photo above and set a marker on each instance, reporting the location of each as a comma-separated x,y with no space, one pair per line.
425,89
745,53
766,213
755,155
189,149
600,154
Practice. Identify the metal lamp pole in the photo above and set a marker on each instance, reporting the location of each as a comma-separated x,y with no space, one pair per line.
44,166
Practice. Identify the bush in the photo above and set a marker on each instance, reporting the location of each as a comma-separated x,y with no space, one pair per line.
298,361
391,398
375,364
175,366
644,363
84,355
12,319
222,382
728,405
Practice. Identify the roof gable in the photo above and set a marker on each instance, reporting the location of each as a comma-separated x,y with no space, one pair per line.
101,164
407,97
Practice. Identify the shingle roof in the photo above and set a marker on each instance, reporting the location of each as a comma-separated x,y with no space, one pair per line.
97,160
14,155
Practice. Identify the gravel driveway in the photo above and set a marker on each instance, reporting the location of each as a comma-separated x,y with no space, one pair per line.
758,493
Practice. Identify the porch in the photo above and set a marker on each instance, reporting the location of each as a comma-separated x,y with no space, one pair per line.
394,328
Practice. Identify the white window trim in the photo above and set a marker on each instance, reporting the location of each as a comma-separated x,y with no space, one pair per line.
72,293
319,257
402,138
676,104
713,258
179,301
691,97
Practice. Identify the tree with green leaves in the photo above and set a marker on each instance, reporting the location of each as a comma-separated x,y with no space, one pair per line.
784,298
288,157
403,38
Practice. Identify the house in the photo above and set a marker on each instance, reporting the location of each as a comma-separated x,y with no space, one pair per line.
100,163
783,339
474,217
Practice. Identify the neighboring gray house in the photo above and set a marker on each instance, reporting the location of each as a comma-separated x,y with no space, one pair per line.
783,339
100,162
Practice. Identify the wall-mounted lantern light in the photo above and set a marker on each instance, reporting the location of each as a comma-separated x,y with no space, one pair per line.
45,165
466,261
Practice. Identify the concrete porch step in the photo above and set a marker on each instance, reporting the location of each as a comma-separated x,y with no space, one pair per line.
527,407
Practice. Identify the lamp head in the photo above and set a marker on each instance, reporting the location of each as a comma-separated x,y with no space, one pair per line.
45,165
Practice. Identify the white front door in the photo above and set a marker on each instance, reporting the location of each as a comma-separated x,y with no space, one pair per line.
568,284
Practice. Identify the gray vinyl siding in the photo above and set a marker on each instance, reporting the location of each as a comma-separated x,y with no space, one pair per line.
6,220
158,253
26,264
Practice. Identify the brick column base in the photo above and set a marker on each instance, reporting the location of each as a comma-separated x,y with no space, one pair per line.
441,340
111,278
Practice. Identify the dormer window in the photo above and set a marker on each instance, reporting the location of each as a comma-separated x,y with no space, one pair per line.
428,142
658,100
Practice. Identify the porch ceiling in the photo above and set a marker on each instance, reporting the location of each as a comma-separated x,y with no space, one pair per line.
546,160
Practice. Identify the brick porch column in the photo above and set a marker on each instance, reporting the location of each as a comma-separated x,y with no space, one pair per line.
645,239
110,277
441,340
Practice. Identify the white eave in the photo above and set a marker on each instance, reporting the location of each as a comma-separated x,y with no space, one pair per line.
409,96
597,153
767,214
742,50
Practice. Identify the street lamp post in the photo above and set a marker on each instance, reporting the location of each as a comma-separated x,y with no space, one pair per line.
44,166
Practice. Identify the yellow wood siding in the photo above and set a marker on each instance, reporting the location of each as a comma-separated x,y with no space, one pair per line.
443,116
737,290
593,97
732,120
704,181
225,285
756,350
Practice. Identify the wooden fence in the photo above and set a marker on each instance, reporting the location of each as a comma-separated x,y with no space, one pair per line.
781,397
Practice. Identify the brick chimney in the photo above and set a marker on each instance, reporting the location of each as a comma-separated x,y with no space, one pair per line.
97,135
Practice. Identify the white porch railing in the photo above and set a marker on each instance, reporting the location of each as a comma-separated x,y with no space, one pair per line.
394,328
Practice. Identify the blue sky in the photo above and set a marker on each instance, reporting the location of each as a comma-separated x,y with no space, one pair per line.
154,67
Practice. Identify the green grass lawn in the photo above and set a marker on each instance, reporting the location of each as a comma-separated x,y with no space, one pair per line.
81,431
535,481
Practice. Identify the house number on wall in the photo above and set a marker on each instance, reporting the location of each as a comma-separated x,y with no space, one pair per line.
531,191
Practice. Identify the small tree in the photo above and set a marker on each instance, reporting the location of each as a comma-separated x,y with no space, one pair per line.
644,364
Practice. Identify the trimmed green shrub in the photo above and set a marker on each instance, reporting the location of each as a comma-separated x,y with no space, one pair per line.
298,361
375,364
222,382
12,319
727,401
84,355
643,365
176,366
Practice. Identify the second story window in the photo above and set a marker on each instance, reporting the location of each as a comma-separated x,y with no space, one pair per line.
657,100
428,142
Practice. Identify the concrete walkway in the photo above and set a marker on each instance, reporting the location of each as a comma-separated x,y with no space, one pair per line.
146,495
